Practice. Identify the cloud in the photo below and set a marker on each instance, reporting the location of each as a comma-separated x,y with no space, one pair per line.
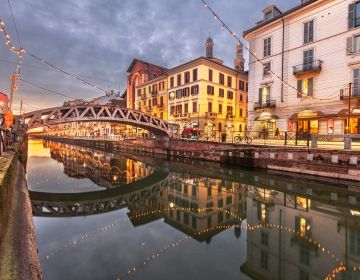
97,40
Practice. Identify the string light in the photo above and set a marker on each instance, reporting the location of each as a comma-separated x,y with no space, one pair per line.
258,60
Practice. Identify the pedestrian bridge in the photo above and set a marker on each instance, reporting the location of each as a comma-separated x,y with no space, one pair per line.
97,113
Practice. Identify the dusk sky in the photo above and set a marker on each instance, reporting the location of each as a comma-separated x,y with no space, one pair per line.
97,40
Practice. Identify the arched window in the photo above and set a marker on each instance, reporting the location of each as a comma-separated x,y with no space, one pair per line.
240,128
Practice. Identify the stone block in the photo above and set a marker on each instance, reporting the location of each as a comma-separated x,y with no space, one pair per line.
256,155
290,156
272,155
242,154
310,157
334,159
353,160
230,154
334,196
352,200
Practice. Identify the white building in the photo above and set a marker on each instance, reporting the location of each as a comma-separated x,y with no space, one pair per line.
315,48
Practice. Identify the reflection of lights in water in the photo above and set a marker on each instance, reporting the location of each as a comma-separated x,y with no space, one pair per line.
355,213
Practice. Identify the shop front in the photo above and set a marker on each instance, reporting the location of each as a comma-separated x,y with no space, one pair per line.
307,122
265,124
354,124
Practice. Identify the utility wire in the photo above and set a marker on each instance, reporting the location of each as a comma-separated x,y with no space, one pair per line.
43,88
13,19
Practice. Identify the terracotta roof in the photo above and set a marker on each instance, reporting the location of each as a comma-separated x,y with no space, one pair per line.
279,16
142,61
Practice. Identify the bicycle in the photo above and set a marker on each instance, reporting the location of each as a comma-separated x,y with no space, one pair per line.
239,139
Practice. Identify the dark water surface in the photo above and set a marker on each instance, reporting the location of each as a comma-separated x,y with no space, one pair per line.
100,215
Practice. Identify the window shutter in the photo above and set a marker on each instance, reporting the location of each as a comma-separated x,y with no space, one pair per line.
351,18
260,95
299,88
306,32
311,31
349,45
311,86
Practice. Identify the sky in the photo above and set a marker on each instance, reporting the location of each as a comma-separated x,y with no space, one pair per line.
97,40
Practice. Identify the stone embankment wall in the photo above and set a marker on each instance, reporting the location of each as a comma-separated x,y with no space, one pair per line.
18,247
337,164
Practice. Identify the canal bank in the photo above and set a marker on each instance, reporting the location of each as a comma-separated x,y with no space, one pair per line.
335,164
18,247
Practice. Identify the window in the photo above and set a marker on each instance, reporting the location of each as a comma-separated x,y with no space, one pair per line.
210,75
172,110
178,215
144,91
221,79
195,75
228,200
178,109
220,203
210,90
186,218
266,69
219,126
187,77
241,98
171,95
264,95
304,275
264,238
193,222
267,47
209,191
210,107
354,15
304,255
308,59
221,92
209,222
354,241
139,92
171,82
194,107
178,79
356,83
220,217
195,90
247,87
193,191
178,94
161,101
154,89
241,112
309,32
229,81
186,108
154,102
220,108
264,260
241,85
229,110
186,92
230,94
305,87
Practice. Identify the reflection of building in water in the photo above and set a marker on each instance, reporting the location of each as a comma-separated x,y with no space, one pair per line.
278,254
103,169
198,193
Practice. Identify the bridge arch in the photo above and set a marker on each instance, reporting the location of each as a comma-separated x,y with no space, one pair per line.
97,113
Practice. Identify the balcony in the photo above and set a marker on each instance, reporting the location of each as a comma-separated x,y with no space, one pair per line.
311,67
211,115
344,93
181,116
154,93
264,105
230,116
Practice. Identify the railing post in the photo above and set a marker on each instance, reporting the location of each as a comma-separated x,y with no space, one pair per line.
296,138
286,136
314,141
347,142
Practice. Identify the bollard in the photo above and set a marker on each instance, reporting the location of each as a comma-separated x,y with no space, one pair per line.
347,142
314,141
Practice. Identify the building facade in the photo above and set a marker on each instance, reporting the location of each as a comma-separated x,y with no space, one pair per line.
306,58
202,93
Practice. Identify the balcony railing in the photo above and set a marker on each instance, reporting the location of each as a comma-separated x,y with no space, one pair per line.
344,93
181,115
314,66
211,115
266,104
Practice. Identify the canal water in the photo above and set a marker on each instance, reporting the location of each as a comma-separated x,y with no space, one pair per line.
103,215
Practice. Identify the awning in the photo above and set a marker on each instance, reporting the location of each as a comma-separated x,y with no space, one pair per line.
307,114
354,111
266,116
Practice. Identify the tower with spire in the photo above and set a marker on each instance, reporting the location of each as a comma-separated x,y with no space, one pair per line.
239,60
209,45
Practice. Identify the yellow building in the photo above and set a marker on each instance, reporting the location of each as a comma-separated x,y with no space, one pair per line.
202,93
152,98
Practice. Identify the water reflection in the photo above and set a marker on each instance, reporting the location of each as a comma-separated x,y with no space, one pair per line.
254,225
